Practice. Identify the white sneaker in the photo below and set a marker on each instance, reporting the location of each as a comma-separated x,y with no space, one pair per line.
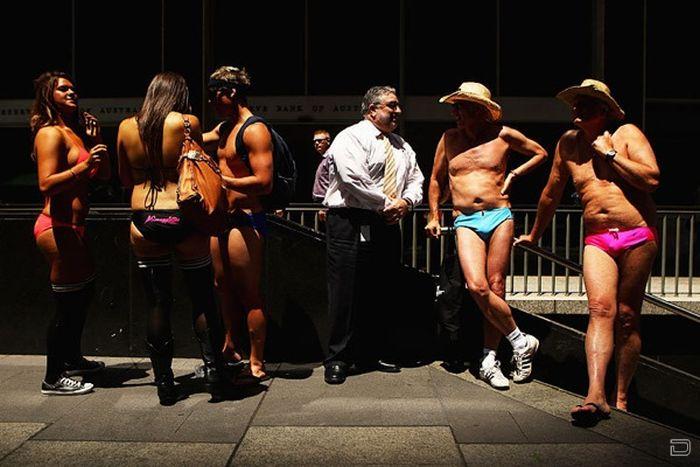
521,362
66,386
494,376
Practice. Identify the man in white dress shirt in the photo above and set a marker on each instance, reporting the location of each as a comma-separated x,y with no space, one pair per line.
374,183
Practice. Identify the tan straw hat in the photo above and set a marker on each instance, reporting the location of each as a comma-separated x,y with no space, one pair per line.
474,92
595,89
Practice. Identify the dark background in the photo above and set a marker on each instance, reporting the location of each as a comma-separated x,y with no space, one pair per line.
643,49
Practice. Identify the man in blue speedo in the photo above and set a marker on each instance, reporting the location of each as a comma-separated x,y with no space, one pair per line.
473,158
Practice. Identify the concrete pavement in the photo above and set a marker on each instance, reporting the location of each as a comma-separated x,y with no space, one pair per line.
423,415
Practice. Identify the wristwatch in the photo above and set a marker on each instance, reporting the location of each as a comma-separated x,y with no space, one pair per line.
610,155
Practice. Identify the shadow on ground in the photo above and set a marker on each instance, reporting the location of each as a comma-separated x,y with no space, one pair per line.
116,376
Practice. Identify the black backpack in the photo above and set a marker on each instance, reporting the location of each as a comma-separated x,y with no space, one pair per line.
284,170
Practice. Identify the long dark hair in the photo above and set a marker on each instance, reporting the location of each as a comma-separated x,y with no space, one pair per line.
44,110
167,93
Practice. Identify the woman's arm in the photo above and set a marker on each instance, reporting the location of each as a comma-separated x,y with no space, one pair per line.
94,133
51,150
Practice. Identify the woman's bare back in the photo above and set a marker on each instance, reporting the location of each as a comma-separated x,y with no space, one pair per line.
133,148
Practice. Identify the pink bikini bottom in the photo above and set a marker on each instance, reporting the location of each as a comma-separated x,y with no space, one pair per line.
616,241
44,223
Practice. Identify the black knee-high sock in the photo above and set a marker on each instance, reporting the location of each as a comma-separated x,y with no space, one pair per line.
76,321
206,320
65,328
157,279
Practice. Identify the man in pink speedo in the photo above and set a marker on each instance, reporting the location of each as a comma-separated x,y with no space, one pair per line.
614,175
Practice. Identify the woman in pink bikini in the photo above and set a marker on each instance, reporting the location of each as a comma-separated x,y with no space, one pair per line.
614,175
62,134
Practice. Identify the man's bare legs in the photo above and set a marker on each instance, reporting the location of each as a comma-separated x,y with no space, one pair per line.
600,274
240,281
473,260
482,271
498,256
635,266
231,312
492,336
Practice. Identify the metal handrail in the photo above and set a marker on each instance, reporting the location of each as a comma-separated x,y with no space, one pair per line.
519,207
675,262
677,249
653,299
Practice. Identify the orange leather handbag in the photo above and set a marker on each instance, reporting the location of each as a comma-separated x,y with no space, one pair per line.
201,195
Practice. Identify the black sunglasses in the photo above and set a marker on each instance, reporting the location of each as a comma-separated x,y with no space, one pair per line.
212,92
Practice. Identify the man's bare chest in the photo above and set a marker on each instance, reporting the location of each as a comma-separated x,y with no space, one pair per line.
464,158
587,169
227,152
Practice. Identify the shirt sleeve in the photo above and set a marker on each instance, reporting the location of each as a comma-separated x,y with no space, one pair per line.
321,179
413,188
350,159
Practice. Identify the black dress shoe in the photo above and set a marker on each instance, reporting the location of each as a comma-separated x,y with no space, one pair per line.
387,367
454,366
335,374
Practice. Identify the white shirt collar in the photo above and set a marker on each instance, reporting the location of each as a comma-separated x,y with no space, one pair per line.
370,128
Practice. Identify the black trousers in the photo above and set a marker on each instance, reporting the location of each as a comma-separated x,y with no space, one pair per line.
452,297
458,315
363,260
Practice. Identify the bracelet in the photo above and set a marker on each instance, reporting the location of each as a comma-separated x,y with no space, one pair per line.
409,202
515,175
75,175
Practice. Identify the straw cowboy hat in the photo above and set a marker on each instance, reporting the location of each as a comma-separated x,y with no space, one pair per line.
595,89
474,92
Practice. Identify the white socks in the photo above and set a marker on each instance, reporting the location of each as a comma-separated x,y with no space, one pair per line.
517,339
489,358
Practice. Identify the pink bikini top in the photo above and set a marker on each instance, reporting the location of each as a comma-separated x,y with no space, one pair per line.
83,153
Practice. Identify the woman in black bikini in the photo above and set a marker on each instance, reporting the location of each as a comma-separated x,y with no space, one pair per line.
149,147
62,135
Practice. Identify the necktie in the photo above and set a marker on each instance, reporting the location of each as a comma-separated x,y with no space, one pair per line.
390,187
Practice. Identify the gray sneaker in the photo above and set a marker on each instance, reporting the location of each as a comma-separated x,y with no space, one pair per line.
65,386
